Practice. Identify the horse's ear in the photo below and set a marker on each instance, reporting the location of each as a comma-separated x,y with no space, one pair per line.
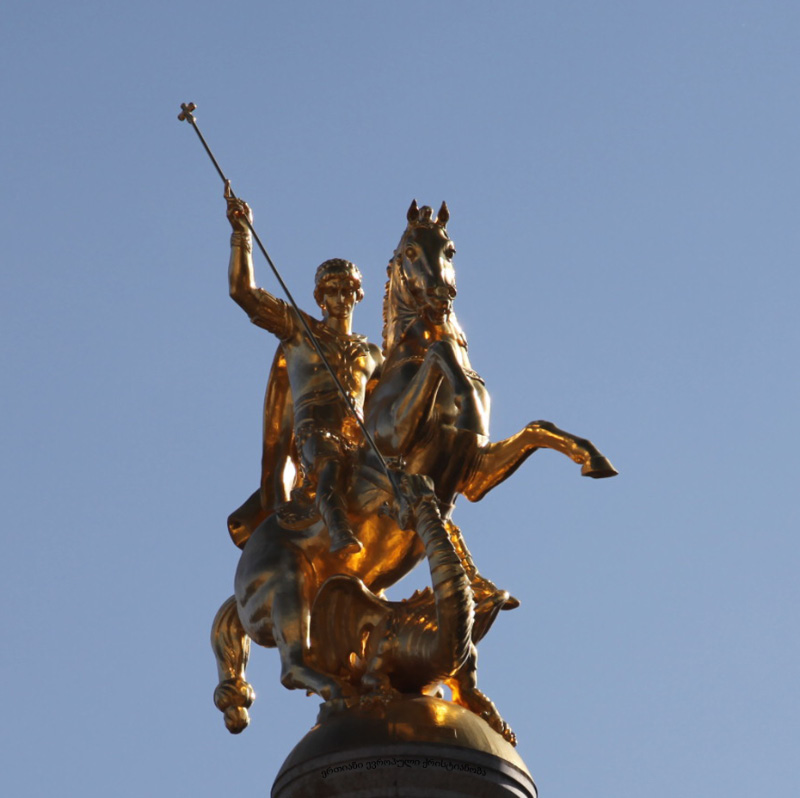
413,211
443,217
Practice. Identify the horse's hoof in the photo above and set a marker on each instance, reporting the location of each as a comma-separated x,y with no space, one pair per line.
237,719
511,603
598,467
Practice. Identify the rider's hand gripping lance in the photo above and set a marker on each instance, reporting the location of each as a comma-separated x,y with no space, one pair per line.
187,115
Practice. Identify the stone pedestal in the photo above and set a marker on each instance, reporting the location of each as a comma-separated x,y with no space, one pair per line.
412,747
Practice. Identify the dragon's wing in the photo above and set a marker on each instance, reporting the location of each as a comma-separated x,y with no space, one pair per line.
344,613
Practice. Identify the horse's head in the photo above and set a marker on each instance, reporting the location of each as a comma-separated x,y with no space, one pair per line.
424,262
422,280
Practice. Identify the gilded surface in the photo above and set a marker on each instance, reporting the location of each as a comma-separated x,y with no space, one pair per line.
328,529
410,720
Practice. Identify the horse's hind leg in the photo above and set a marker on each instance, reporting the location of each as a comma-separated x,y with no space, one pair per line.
497,461
297,674
233,695
275,584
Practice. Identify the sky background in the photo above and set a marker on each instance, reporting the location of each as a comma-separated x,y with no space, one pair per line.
623,185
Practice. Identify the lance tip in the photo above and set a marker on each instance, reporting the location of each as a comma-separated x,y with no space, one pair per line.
186,112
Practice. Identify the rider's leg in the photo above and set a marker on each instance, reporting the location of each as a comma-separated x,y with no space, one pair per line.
327,461
330,489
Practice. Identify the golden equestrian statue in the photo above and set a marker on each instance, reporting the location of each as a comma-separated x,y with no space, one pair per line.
335,522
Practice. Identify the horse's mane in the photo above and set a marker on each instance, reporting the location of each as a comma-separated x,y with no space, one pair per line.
399,310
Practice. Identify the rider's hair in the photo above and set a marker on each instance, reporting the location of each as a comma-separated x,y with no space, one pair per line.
336,268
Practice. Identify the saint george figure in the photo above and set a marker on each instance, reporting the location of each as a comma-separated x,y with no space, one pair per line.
302,400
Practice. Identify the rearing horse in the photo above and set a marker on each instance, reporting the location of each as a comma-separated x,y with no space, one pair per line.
429,414
430,408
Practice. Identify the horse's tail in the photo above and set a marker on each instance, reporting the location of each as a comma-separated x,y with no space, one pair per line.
233,695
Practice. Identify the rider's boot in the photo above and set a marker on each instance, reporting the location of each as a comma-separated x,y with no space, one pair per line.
343,541
330,484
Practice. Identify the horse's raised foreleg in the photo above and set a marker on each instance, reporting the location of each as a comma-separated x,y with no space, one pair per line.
497,461
231,645
397,426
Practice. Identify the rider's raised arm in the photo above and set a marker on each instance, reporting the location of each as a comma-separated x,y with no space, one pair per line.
263,308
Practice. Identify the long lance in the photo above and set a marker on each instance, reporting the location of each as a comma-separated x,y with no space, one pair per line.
186,115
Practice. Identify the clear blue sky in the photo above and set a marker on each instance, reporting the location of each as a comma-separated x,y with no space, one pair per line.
623,183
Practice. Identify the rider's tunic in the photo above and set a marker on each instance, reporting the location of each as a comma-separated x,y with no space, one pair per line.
319,408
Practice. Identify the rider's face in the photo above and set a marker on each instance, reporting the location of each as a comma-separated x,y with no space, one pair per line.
338,298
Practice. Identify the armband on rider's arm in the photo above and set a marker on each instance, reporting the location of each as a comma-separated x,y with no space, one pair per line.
242,240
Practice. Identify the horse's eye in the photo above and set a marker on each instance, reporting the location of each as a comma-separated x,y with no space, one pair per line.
411,253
